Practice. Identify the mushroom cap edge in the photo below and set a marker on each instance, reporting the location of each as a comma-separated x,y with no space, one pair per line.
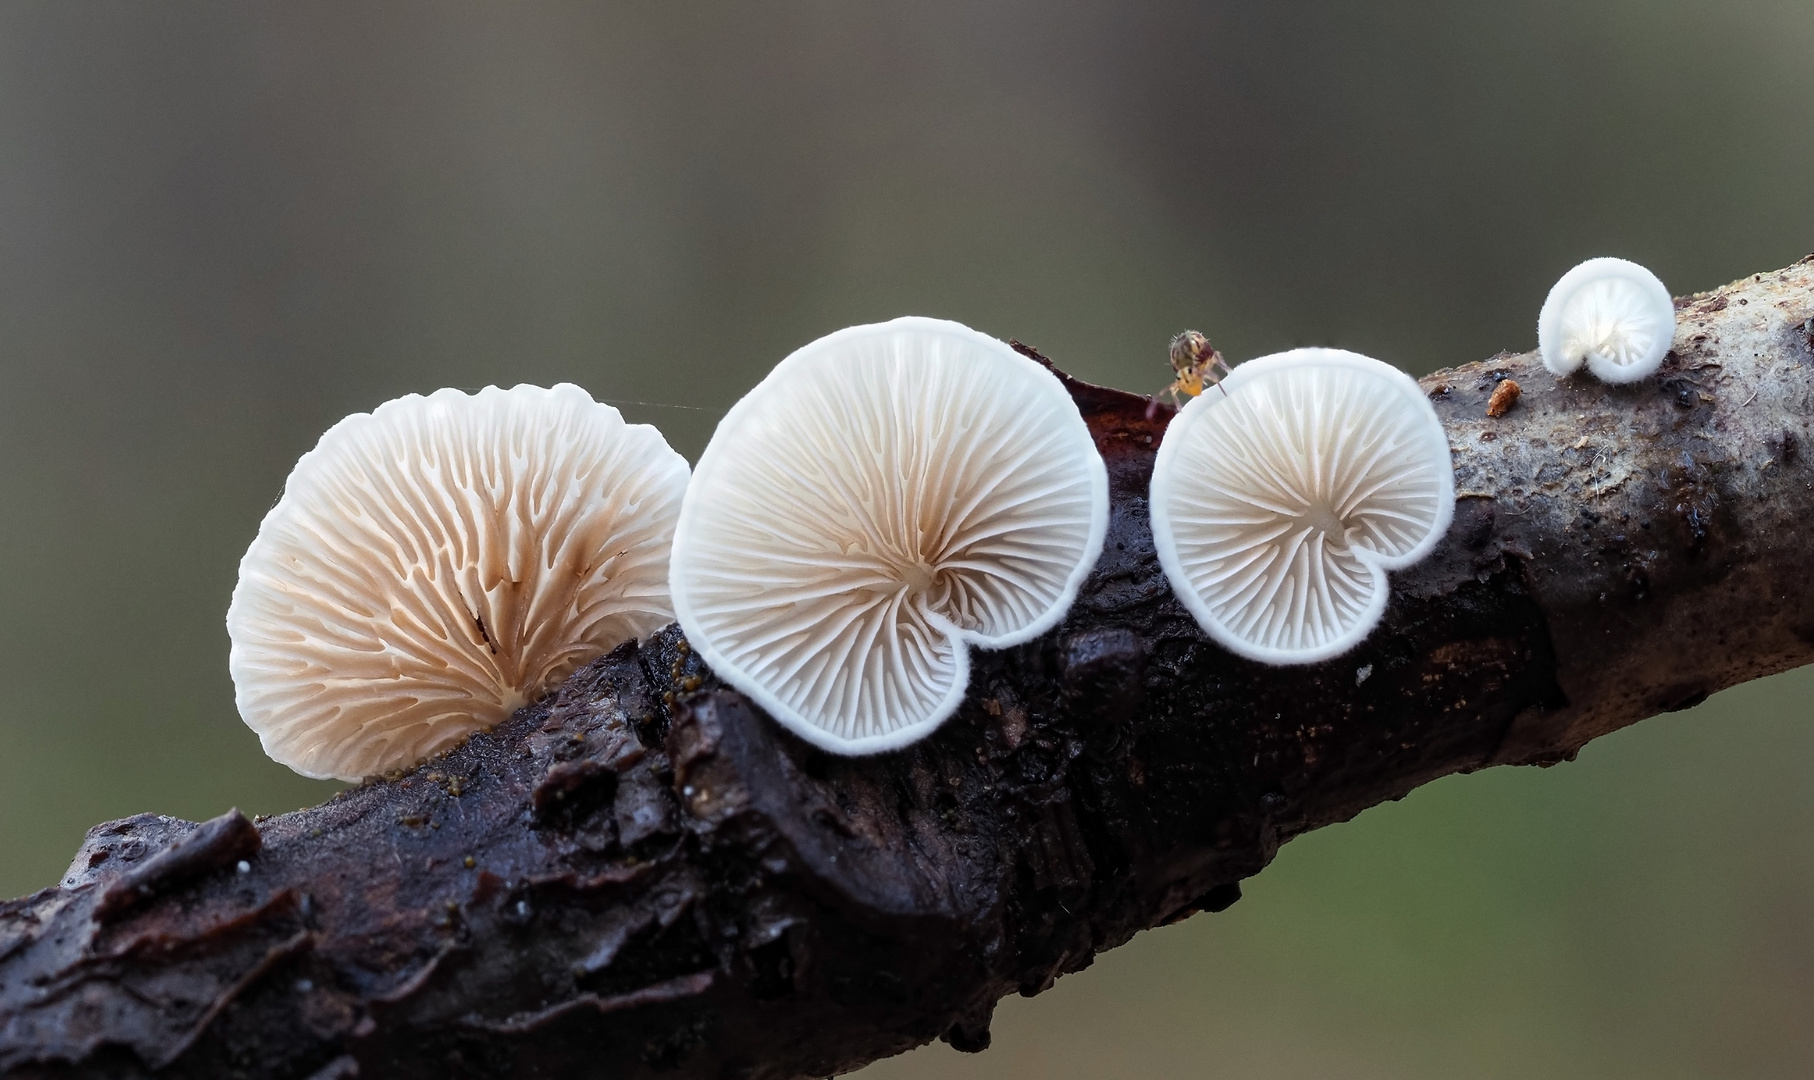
962,639
645,439
1165,473
1555,305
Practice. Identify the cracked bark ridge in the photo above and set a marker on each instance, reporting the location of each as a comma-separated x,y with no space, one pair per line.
643,876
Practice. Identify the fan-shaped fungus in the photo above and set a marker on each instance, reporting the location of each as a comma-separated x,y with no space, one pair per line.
438,561
1278,509
886,497
1612,315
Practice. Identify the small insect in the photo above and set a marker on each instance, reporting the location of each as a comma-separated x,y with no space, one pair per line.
1196,364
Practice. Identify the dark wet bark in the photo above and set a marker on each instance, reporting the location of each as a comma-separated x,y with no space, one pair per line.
644,876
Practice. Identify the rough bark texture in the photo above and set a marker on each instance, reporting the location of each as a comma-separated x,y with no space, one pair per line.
644,876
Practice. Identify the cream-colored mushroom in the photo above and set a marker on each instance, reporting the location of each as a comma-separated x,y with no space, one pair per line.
1278,508
1615,316
888,496
437,562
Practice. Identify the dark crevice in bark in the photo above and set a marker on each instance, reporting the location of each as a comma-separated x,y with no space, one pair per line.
641,875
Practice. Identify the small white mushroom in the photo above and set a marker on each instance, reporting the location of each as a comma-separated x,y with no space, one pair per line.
435,563
1278,508
888,496
1612,315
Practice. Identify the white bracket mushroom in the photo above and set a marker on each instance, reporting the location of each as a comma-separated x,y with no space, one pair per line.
887,497
438,561
1278,509
1613,315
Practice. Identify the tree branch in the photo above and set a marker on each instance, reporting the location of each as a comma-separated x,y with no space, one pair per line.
642,875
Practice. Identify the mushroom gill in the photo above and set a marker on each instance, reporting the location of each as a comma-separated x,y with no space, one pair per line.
888,496
1278,508
437,562
1610,314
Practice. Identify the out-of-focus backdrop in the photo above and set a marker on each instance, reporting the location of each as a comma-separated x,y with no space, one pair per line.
224,226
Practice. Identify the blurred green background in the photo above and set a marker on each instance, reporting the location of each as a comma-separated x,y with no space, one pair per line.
224,226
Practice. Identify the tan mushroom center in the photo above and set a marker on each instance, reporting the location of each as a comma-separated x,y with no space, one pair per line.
917,576
1322,518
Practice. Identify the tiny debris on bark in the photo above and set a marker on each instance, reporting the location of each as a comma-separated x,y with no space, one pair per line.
1505,395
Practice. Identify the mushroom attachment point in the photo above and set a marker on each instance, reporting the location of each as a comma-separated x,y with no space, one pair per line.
437,562
1610,314
1278,509
887,497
